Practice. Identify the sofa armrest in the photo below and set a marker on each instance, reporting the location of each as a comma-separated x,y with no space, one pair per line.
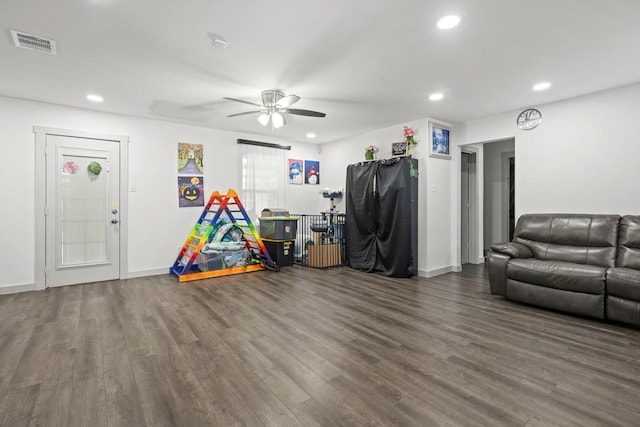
512,249
498,273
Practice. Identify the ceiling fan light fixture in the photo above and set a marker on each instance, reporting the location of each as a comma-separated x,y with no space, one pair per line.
274,108
271,97
277,120
263,119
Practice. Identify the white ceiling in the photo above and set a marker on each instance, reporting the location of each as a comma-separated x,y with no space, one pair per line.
367,64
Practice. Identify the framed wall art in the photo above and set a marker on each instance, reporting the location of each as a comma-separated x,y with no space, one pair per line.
190,191
312,172
439,140
190,159
296,171
398,149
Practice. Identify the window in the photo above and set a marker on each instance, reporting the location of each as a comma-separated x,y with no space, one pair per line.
263,178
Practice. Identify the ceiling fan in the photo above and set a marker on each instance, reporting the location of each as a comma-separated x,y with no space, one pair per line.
274,104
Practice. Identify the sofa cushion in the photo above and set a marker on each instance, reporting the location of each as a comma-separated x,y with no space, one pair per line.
623,310
557,299
629,242
567,276
577,238
624,282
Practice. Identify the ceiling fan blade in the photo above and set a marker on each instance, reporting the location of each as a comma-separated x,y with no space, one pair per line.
305,112
243,101
288,100
246,113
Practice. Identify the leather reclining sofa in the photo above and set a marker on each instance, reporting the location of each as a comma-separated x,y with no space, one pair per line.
583,264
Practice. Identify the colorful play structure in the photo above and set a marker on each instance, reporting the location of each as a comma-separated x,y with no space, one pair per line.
223,241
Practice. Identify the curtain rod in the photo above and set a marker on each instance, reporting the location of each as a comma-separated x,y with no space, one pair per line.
264,144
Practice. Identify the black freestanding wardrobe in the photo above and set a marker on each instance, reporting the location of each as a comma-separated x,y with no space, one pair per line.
381,226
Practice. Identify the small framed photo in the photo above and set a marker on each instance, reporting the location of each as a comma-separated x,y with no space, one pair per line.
439,140
398,149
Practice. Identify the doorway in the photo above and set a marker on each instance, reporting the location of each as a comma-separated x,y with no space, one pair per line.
81,185
468,206
499,165
512,195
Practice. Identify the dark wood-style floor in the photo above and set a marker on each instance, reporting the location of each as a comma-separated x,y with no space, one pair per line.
308,347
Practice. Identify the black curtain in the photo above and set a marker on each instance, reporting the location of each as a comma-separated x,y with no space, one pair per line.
393,241
361,218
381,220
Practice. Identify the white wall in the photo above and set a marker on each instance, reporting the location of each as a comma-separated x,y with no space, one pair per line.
157,227
435,188
306,199
583,157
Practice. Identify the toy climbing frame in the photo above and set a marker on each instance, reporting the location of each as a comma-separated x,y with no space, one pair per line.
221,210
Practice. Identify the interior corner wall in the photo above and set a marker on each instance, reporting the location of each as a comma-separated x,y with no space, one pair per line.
434,204
157,227
582,158
307,198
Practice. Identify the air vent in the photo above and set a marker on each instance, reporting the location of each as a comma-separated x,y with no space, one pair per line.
33,42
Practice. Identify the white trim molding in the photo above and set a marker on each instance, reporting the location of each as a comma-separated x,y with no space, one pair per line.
439,271
14,289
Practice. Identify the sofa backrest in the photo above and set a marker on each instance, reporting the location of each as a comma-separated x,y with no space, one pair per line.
583,239
629,242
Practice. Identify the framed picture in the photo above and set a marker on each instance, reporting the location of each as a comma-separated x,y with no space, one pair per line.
190,159
296,172
190,191
439,140
312,172
398,149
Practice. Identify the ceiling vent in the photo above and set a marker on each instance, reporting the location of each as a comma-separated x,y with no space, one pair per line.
33,42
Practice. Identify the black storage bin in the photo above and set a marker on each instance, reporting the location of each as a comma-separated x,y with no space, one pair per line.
281,251
278,228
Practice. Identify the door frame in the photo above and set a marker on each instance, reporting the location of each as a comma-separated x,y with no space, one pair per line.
41,134
475,197
506,175
478,148
473,209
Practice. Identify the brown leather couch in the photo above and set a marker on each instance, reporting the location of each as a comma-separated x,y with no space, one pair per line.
583,264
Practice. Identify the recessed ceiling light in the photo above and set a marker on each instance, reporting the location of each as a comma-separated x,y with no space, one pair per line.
311,135
448,22
541,86
436,96
94,98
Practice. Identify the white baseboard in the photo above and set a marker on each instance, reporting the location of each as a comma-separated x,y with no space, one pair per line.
14,289
143,273
439,271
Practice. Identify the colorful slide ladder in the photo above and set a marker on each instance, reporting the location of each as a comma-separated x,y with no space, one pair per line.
228,204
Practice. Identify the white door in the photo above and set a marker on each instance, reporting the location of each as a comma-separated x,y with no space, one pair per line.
82,210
